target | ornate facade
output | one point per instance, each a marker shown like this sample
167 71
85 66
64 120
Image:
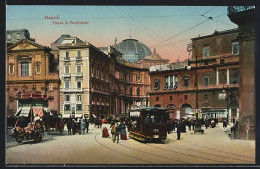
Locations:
27 70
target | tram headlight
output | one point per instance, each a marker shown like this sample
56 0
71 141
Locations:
155 130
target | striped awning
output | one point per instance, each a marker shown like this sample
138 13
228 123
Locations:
38 110
18 112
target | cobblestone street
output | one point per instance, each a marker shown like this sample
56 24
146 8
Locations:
213 147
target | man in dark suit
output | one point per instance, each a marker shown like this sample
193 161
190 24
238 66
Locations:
179 128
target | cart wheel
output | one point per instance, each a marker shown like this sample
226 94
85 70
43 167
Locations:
19 139
37 137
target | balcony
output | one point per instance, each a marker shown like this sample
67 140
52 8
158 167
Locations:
66 59
78 102
238 9
79 74
78 58
239 14
72 90
66 75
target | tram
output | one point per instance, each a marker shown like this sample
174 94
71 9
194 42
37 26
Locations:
148 124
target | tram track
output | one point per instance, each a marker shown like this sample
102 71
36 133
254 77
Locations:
226 152
201 152
149 162
163 157
178 152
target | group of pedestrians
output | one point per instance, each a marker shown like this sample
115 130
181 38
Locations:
78 126
118 130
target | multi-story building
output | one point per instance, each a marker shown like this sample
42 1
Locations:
28 70
217 72
101 82
244 17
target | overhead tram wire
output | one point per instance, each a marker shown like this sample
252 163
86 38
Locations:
182 32
130 23
152 30
208 18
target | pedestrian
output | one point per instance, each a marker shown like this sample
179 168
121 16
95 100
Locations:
105 132
87 124
79 126
122 131
225 125
206 123
168 127
193 124
83 126
213 123
73 126
189 124
179 128
183 123
69 126
113 131
117 132
173 125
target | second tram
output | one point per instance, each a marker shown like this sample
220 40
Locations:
148 124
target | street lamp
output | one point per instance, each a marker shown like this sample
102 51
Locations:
197 125
226 96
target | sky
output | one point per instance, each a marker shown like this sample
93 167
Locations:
168 29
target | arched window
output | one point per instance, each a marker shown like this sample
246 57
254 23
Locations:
138 91
206 80
234 76
131 91
156 84
185 80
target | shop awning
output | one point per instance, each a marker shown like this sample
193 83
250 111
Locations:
18 112
78 115
135 114
25 111
65 116
38 110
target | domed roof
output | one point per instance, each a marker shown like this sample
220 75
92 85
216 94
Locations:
133 50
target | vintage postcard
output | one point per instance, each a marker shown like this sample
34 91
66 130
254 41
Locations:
130 85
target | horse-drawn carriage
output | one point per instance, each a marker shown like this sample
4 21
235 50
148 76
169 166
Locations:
54 123
32 131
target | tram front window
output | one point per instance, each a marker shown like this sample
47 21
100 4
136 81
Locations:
147 119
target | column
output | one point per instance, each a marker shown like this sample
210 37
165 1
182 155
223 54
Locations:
227 76
173 80
178 114
217 78
169 81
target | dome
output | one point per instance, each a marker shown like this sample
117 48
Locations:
133 50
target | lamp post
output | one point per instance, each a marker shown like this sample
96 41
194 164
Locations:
226 96
197 125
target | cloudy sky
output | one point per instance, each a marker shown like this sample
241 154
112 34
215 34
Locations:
167 28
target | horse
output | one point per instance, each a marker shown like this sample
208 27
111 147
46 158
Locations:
60 126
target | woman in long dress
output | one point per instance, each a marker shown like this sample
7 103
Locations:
123 131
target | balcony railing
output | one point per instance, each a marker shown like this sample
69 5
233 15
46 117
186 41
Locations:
238 9
72 90
66 59
78 58
78 74
66 75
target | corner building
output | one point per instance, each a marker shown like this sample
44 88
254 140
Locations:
173 86
100 82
